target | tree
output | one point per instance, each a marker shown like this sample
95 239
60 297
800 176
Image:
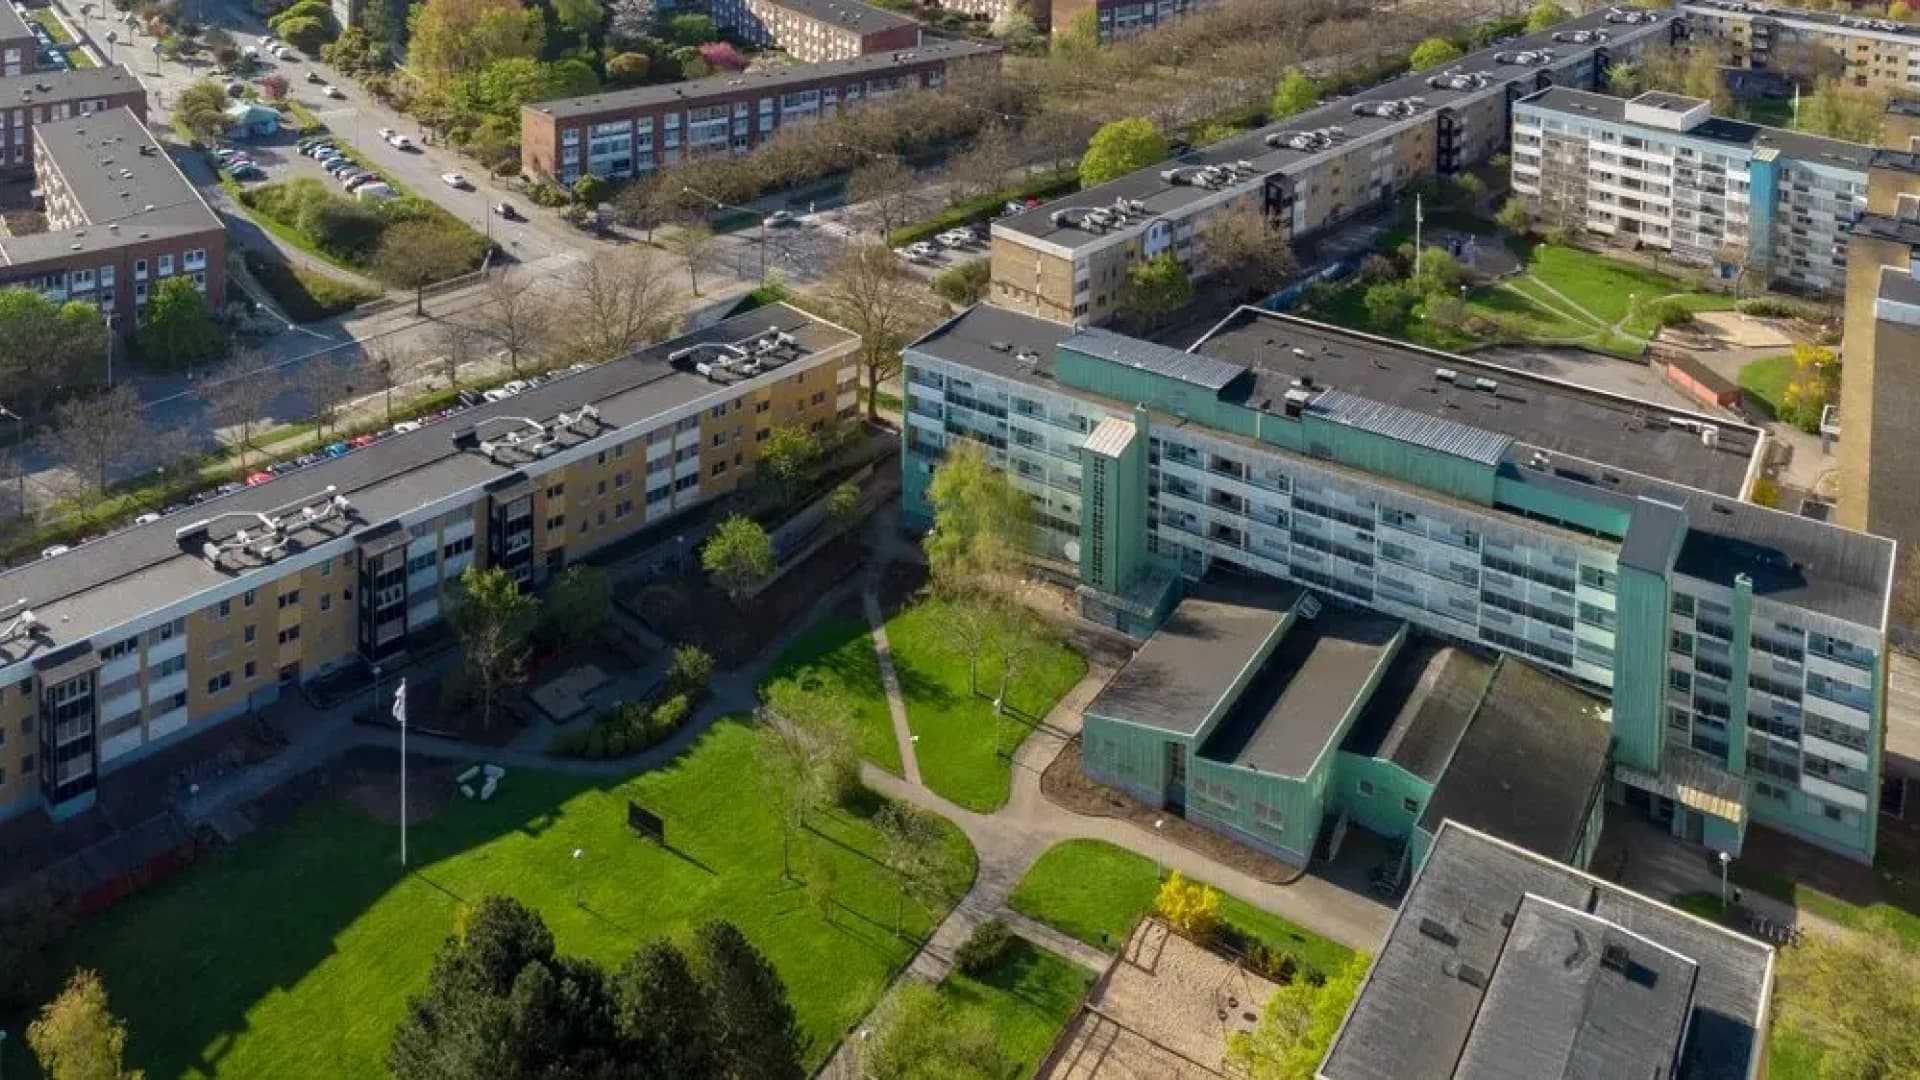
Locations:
911 850
44 345
1389 303
664 1015
983 168
1838 111
238 397
843 504
690 669
304 32
692 244
1514 217
492 619
1694 74
918 1035
627 69
1156 287
179 327
37 919
1079 37
578 602
93 436
1121 147
383 363
629 22
871 294
450 38
619 301
980 527
415 254
691 30
788 459
756 1030
201 107
1295 94
805 754
324 388
888 189
454 346
1245 246
1193 907
275 86
517 316
581 18
77 1037
1546 15
1432 53
1899 10
1624 78
1297 1027
1013 26
738 554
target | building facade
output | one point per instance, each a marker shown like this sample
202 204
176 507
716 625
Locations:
48 96
628 133
160 631
1863 50
19 49
121 219
1068 260
815 31
1122 18
1742 650
1661 171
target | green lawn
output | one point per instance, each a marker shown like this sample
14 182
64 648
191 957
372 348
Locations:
1095 891
961 756
1766 379
837 654
1026 999
292 955
1898 904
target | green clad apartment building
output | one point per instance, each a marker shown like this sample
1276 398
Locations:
1384 585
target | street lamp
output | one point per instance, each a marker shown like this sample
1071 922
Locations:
743 209
1724 860
156 59
1159 848
112 36
109 318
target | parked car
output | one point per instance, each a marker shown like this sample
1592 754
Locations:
498 393
348 176
340 165
248 171
317 147
57 549
455 180
281 468
779 218
359 441
924 250
386 133
337 449
228 488
402 142
147 518
224 153
361 181
256 479
309 143
316 77
507 211
913 256
405 426
375 190
952 239
332 91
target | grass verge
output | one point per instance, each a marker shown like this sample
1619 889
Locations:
836 655
305 295
1024 1000
1766 380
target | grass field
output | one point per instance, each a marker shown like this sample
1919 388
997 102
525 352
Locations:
837 653
1095 891
1766 379
292 955
1025 1000
960 754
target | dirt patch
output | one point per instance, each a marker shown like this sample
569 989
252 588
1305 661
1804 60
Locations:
692 611
1065 784
377 792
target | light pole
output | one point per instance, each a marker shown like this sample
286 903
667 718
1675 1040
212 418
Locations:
156 59
109 318
1159 852
745 210
1724 860
112 36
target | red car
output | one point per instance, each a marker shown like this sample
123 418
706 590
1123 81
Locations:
256 479
359 441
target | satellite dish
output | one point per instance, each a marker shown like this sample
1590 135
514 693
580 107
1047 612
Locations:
1072 550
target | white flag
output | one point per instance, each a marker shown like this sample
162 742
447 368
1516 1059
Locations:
400 704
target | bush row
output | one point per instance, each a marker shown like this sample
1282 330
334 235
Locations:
627 728
1775 307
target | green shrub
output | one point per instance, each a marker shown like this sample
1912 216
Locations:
1774 307
305 295
690 671
984 947
982 207
964 284
667 717
1670 312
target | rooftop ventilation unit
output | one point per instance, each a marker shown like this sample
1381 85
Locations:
265 537
17 621
1395 109
1580 37
1526 57
1309 141
1459 80
1634 17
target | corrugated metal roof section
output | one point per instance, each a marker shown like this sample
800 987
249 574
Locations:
1111 438
1192 368
1433 432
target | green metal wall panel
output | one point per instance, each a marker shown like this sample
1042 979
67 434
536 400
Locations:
1299 803
1384 456
1511 491
1739 658
1385 808
1640 668
1157 392
1128 756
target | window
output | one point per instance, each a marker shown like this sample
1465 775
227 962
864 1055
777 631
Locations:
248 598
326 601
249 635
290 598
1366 788
422 562
252 668
326 569
171 666
556 490
225 609
762 406
1411 806
457 548
219 683
557 523
290 635
719 467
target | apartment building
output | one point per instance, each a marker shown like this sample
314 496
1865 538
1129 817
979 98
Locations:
1599 538
1068 260
120 220
48 96
158 632
1122 18
1870 51
1661 171
1503 963
816 31
19 49
627 133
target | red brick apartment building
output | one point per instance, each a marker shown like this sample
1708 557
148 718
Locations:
630 132
815 31
27 101
18 47
121 219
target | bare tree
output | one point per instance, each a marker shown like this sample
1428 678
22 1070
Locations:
871 294
95 436
889 189
984 166
1244 245
238 397
415 254
692 243
323 388
618 302
455 346
804 754
383 364
517 317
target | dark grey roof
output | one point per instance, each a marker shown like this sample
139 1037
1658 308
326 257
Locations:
1442 974
1293 709
1190 368
782 79
1905 161
990 338
1830 19
862 19
1420 429
72 84
126 574
1815 149
121 180
1791 559
1888 227
1422 706
1547 414
1899 285
1499 65
12 25
1177 679
1530 765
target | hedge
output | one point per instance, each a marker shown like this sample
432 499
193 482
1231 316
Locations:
305 295
984 207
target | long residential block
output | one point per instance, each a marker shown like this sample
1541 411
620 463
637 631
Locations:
121 219
27 101
19 49
158 632
1661 171
628 133
815 31
1601 539
1870 51
1068 260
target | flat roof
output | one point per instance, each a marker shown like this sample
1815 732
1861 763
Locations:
142 569
1888 227
1441 986
996 340
1790 559
1814 149
1175 681
42 86
1530 764
1422 706
121 180
13 24
1899 285
852 15
1828 19
1293 708
1486 72
1545 414
772 78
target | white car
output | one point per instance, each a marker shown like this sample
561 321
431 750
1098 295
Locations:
405 426
913 256
146 519
57 549
399 141
924 250
388 133
954 239
498 393
455 180
332 91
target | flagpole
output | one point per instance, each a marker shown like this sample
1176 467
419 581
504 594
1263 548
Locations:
400 717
